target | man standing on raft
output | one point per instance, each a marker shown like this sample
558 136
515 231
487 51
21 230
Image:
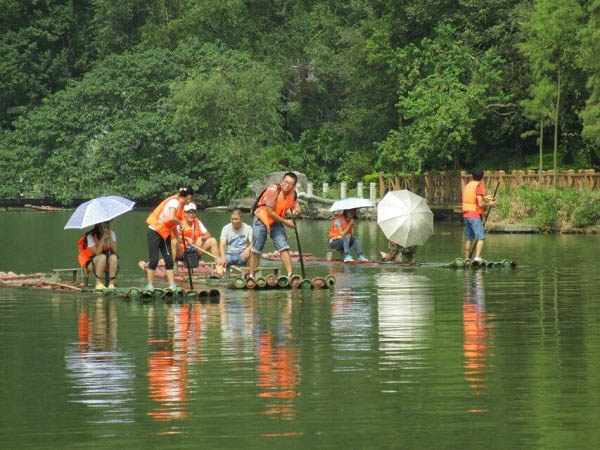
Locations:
161 227
473 201
269 218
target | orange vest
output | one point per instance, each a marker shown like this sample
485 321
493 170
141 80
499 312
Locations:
469 198
334 233
84 252
154 219
192 232
282 204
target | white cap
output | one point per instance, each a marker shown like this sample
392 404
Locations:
189 207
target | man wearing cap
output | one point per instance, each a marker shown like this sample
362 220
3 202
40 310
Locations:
195 234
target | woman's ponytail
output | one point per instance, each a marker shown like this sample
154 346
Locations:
185 191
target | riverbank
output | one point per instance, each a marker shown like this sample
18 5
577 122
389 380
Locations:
524 209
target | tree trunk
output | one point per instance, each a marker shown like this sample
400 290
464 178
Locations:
556 127
541 150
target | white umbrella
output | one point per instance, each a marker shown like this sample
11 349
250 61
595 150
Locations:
99 210
405 218
351 203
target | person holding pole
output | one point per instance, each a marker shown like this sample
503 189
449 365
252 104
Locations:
270 212
473 201
161 228
195 234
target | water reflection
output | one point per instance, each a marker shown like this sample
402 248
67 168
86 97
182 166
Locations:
103 376
405 316
351 326
277 359
474 328
174 342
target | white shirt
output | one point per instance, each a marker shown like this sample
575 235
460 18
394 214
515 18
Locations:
173 203
90 239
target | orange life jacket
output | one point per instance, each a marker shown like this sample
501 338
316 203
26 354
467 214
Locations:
192 232
469 198
154 219
282 204
84 252
334 232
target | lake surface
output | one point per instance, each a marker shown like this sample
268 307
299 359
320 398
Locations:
392 358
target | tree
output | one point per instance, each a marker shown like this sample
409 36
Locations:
551 45
590 61
538 108
41 48
443 89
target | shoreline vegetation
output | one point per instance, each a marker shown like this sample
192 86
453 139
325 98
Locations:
139 97
563 210
524 209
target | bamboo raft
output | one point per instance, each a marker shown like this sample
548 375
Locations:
210 286
458 263
178 295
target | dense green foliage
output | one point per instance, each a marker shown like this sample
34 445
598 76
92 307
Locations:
138 97
555 209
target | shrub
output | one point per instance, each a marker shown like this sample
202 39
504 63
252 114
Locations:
549 208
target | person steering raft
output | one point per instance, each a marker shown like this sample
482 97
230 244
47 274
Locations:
473 201
161 228
269 218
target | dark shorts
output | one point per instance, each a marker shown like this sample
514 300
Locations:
156 245
91 267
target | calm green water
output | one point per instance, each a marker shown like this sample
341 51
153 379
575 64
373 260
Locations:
393 358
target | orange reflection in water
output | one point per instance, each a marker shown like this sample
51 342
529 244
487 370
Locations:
168 360
98 333
277 376
474 344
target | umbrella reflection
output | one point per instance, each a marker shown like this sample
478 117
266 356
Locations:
405 313
103 376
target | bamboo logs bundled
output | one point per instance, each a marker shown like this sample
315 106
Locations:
283 282
460 263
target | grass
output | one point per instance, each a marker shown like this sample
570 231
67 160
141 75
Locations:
556 209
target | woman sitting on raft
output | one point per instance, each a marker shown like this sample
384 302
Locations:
98 253
341 235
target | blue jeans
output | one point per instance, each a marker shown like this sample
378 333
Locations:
260 234
344 245
235 259
474 229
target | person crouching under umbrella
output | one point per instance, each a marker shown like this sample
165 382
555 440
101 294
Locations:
405 255
98 253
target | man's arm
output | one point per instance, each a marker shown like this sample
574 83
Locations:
486 200
277 218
